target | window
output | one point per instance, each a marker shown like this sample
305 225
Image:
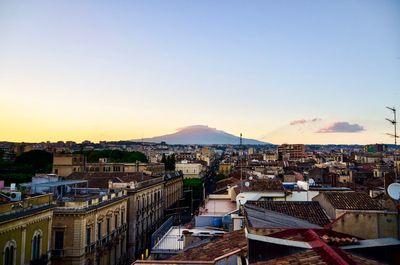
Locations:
99 231
116 221
9 253
88 235
36 244
122 218
59 240
108 226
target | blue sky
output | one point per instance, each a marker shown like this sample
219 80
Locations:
129 69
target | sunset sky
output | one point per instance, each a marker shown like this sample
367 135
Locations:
277 71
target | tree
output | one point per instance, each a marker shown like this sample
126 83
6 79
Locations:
35 161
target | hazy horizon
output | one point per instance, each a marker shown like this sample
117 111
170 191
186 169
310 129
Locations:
276 71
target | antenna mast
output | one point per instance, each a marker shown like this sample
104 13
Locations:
240 161
395 136
394 123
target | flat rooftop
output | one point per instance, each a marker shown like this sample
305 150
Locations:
173 239
218 207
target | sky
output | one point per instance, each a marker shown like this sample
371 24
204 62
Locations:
278 71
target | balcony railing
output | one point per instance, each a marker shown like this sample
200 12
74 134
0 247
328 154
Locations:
57 253
104 241
90 248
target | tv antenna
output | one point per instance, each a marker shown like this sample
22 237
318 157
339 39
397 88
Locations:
395 136
394 123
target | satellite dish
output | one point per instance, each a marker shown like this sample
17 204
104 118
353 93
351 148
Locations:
247 184
250 178
394 191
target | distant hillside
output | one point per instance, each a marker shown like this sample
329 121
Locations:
200 134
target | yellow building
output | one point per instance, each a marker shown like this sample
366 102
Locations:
225 168
358 214
25 227
66 164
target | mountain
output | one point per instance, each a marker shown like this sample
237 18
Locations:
200 134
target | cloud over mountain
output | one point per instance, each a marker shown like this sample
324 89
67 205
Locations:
341 127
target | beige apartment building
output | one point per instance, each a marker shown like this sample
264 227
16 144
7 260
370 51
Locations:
173 188
66 164
145 206
291 151
90 227
145 210
358 214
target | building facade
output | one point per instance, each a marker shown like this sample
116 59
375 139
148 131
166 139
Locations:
25 229
66 164
291 151
173 188
145 210
90 228
189 170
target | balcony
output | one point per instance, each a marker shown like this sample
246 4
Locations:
90 248
108 239
57 253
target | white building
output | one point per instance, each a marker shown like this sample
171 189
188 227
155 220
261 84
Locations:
189 170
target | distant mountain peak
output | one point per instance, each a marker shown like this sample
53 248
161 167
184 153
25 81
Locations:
200 134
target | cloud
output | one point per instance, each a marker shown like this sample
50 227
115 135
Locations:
303 121
295 122
341 127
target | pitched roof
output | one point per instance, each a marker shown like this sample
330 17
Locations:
223 184
309 211
324 248
260 218
261 185
312 257
352 201
228 243
100 179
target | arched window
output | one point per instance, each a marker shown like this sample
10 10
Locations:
9 253
36 244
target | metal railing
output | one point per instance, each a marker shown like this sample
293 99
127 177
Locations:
169 243
161 231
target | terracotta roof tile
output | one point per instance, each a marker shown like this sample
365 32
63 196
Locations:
309 211
228 243
100 180
312 257
261 185
352 201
